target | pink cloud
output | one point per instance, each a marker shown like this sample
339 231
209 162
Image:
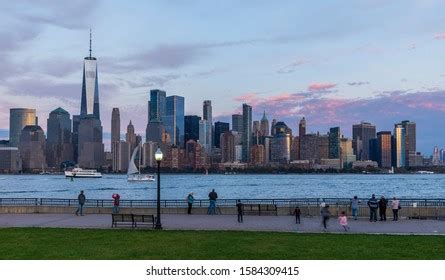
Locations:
321 86
440 36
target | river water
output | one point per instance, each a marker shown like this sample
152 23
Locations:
177 186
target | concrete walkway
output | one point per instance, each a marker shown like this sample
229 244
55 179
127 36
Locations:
229 222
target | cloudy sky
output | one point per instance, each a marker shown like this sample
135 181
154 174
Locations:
334 62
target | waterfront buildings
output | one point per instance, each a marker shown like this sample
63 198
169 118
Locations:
18 119
203 135
247 132
59 147
130 137
361 134
228 144
347 153
115 139
32 148
410 141
121 156
10 160
158 105
280 144
334 142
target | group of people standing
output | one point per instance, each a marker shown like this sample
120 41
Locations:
382 205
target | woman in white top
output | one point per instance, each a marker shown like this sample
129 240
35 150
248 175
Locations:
395 205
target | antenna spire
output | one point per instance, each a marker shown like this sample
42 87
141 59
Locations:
90 42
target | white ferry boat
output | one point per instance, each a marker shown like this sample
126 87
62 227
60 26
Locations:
83 173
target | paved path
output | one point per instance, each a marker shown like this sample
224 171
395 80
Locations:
228 222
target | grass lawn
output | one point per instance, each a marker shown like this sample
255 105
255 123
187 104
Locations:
50 243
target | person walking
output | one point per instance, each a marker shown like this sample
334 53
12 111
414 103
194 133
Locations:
354 207
343 221
212 202
190 200
81 200
373 206
395 205
382 208
325 215
116 201
297 213
239 208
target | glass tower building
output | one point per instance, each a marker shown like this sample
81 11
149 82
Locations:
90 87
399 150
174 119
157 105
18 119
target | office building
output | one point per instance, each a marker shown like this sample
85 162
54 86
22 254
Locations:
121 156
59 147
410 140
32 148
227 147
346 153
220 128
18 119
174 119
264 125
191 128
280 144
257 155
158 105
10 161
361 134
115 125
207 115
302 127
384 149
91 147
130 137
247 132
90 87
334 142
155 132
399 143
203 135
272 128
75 137
237 123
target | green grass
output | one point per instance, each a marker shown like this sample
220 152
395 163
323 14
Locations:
47 243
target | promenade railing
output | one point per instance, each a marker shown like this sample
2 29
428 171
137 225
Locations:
180 203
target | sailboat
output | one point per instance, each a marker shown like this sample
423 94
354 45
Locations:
134 172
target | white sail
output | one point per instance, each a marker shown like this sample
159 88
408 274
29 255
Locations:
132 168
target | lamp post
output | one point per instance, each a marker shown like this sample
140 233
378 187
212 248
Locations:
158 157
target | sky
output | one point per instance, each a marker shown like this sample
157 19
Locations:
334 62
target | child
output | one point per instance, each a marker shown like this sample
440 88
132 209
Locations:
297 213
343 221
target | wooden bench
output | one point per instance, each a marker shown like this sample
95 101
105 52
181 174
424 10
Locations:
260 209
144 220
123 219
132 219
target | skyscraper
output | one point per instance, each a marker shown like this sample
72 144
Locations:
264 125
130 137
207 115
90 87
334 142
158 105
302 127
247 132
191 128
361 134
203 135
272 128
280 144
174 119
237 123
227 147
91 147
410 140
75 136
32 147
59 146
384 149
115 125
220 128
399 150
18 119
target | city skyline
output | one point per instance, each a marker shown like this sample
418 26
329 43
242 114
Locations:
364 74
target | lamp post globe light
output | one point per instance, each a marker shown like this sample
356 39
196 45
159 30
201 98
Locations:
158 157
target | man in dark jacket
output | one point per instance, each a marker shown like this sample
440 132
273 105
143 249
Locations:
297 213
325 215
373 206
212 202
239 208
382 208
81 200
